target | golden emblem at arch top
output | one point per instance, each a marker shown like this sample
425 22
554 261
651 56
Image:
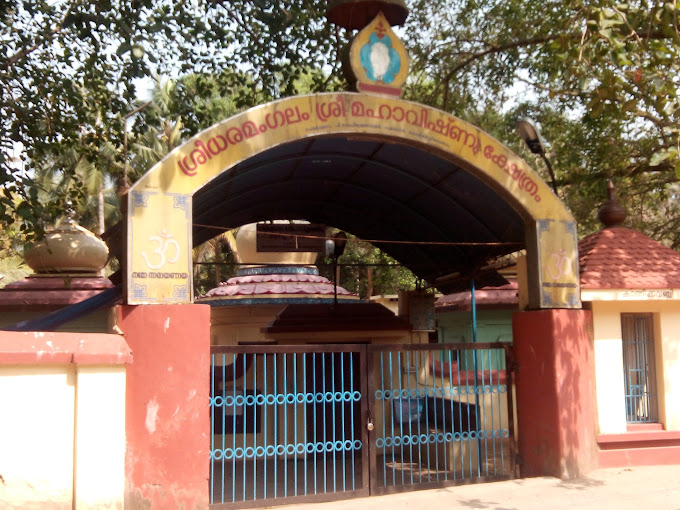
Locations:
379 59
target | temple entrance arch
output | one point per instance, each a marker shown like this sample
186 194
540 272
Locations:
462 176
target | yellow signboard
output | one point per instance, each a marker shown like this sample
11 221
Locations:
159 219
159 248
559 276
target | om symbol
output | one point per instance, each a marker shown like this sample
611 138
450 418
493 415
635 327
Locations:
559 265
163 242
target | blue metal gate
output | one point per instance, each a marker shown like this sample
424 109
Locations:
321 422
286 424
441 414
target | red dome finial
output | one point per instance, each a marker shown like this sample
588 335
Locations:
611 214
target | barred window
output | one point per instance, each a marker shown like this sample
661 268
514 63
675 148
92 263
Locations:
639 368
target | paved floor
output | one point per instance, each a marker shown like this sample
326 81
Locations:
639 488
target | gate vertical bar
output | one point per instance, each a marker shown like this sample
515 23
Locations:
325 425
304 414
265 425
342 418
295 421
410 422
275 438
334 405
285 425
254 447
367 364
510 369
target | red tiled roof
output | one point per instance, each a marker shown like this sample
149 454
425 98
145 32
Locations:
488 297
266 284
621 258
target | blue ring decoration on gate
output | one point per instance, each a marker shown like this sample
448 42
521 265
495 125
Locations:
239 453
388 442
250 400
423 438
455 390
280 398
347 396
439 392
407 441
357 396
503 388
309 398
465 436
300 448
413 393
440 437
481 434
404 393
506 433
337 396
310 447
487 390
432 438
329 446
260 399
271 450
229 401
260 451
239 400
290 398
218 402
328 396
379 442
494 390
280 449
448 437
387 394
300 398
318 397
228 454
397 441
473 434
319 447
379 395
347 445
250 452
271 399
217 454
457 436
496 433
338 445
357 444
290 449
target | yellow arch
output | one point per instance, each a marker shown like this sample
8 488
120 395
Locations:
160 203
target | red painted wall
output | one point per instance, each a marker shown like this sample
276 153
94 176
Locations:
555 392
167 415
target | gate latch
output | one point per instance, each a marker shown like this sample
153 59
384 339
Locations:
369 424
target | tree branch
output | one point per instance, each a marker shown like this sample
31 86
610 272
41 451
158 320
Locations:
23 52
492 50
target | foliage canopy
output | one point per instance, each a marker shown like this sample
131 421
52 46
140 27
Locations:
601 77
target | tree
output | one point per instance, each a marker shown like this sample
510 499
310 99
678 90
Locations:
367 271
69 72
601 77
